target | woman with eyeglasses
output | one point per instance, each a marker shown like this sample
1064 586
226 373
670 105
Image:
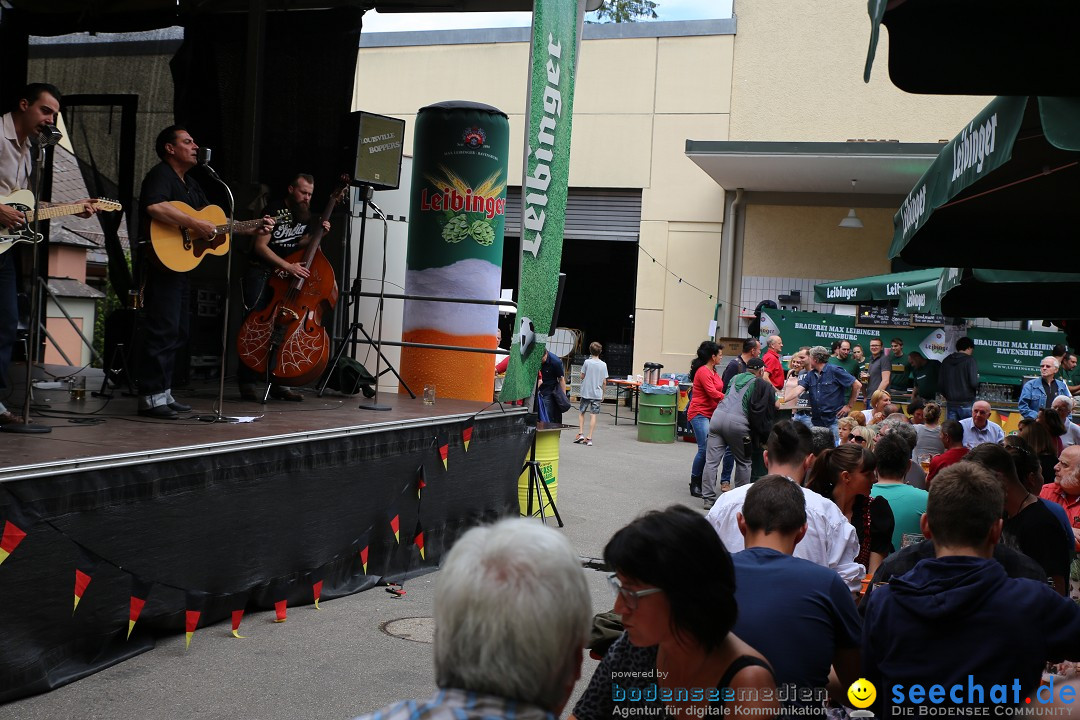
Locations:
846 475
674 586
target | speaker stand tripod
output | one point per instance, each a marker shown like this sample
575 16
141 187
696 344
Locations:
536 484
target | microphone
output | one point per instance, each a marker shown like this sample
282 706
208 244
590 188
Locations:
49 135
204 160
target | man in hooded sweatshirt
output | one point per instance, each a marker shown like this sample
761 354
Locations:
958 380
956 630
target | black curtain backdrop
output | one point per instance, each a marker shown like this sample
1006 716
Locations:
309 60
233 530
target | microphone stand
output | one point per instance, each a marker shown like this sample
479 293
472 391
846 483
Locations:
33 335
219 416
382 292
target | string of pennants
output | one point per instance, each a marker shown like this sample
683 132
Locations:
18 523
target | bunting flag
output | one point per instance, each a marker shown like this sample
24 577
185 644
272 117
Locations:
140 591
466 434
316 590
418 540
82 580
15 527
191 621
364 557
237 616
421 481
194 602
281 611
444 448
395 525
85 567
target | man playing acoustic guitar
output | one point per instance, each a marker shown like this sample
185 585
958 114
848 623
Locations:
268 255
165 300
37 108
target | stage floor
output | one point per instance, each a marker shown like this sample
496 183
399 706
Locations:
98 432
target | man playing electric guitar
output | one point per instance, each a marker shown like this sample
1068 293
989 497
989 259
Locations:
37 107
268 255
165 299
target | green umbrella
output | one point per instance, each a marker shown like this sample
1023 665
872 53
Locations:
873 289
996 294
1012 174
979 47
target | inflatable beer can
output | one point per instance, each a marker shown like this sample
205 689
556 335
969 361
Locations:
456 221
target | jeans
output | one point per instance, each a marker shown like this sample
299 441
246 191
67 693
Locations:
834 427
700 423
957 411
9 315
164 328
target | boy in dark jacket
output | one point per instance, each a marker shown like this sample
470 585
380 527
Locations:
958 380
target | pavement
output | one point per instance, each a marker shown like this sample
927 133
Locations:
338 662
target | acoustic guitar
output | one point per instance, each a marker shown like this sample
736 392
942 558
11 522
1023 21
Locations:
23 201
179 250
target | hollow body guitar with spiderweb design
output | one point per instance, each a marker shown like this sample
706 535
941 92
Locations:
23 201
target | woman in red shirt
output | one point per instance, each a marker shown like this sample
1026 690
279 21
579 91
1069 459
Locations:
707 393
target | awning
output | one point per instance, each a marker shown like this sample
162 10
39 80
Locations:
979 47
995 294
1012 174
872 289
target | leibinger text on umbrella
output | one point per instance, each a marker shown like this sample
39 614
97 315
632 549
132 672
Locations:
840 292
913 208
973 146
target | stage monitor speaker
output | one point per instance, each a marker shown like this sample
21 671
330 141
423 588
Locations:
376 143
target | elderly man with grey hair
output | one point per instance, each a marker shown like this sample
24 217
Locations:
832 391
1039 392
1063 405
512 616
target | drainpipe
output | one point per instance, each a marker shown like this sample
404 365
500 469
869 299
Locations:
727 290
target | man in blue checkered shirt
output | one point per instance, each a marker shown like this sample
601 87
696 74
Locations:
512 616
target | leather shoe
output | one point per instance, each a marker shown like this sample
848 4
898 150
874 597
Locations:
247 393
179 406
283 393
161 412
10 418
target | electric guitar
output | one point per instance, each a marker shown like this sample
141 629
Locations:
179 250
23 201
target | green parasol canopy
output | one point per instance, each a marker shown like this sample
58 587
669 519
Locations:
873 289
1012 175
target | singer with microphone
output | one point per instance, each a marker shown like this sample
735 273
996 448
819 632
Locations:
165 320
32 122
268 255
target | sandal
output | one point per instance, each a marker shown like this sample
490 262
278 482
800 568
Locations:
580 438
588 442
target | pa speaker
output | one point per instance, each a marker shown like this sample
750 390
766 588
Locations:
375 143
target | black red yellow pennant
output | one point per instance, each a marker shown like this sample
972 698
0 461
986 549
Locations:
395 525
281 611
316 591
13 529
364 551
466 434
443 441
418 540
85 567
421 481
140 591
194 602
237 617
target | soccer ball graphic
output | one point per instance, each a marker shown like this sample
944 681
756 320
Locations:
526 336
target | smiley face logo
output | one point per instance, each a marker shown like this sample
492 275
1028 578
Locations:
862 693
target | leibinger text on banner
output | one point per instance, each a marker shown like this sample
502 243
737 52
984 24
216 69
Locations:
546 170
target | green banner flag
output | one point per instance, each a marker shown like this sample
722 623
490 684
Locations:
546 170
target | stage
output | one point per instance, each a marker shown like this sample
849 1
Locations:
177 524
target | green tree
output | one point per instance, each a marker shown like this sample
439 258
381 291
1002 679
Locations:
625 11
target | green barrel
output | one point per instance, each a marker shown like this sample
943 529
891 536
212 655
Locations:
656 417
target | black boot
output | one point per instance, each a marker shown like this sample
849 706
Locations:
695 486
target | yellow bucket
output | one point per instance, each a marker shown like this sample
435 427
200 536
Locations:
547 456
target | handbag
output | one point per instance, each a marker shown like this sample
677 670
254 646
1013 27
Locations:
561 401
